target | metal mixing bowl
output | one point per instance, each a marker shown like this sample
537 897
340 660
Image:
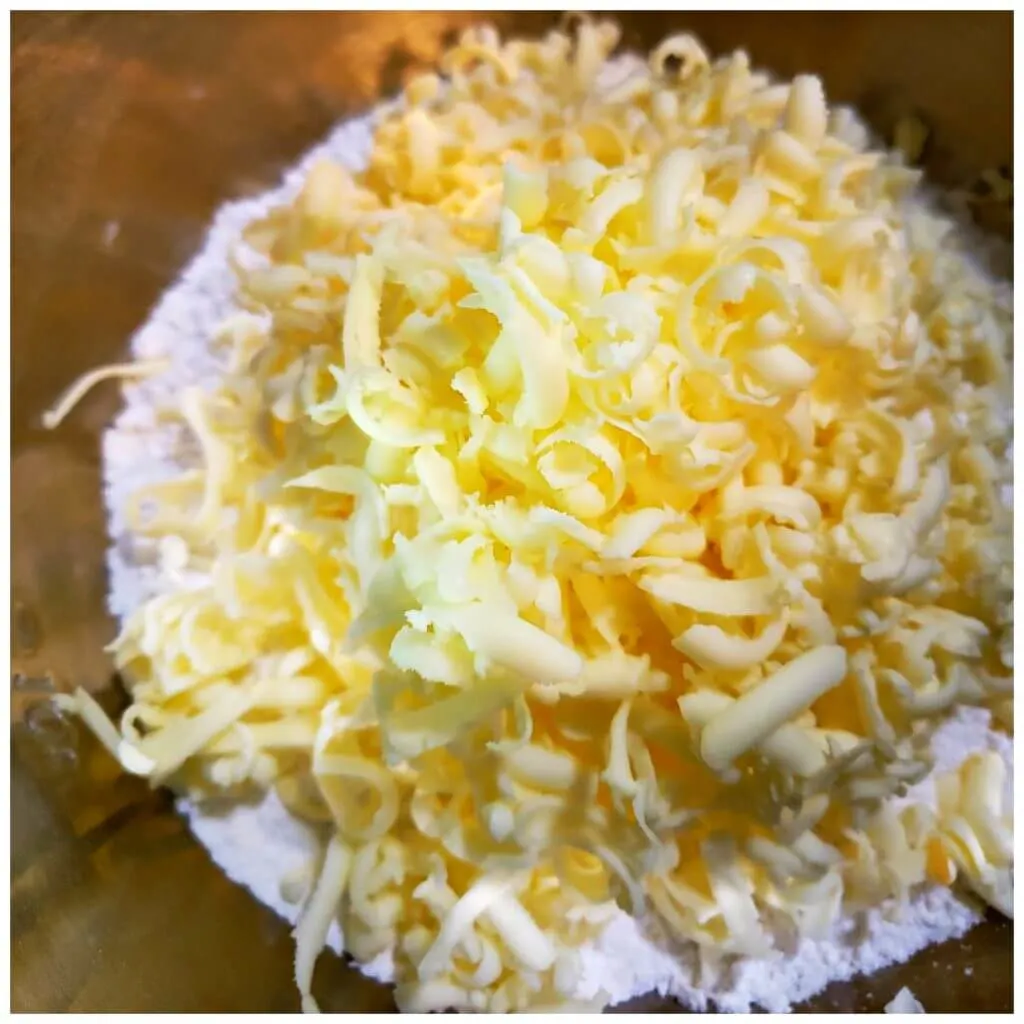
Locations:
128 131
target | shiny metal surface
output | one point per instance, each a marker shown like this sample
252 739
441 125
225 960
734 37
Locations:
127 132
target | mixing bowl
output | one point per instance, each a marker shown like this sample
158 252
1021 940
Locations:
128 131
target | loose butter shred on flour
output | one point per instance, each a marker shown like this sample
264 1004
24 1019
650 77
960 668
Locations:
601 503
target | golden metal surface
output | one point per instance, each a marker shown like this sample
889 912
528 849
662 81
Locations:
127 132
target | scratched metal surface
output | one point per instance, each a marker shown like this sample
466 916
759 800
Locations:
127 132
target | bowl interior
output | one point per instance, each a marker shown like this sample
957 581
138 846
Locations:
127 132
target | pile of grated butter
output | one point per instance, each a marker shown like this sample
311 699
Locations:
601 505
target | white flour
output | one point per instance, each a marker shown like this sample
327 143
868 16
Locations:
257 846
